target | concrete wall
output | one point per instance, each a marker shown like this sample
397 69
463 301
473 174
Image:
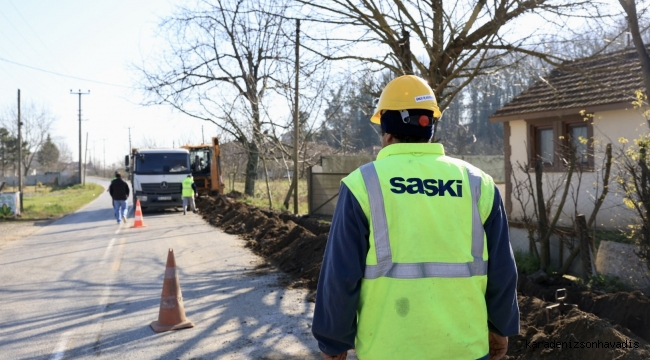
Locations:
519 242
608 127
615 259
64 178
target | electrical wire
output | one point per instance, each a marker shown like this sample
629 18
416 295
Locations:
64 75
37 37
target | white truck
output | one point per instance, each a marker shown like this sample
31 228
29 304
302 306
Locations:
157 176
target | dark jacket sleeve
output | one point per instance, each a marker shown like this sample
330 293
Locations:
128 190
110 189
501 293
339 284
194 188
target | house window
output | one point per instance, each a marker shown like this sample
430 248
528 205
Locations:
544 144
578 137
550 138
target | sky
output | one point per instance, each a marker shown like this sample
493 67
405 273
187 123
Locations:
98 41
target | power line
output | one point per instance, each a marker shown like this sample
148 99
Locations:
37 37
64 75
19 34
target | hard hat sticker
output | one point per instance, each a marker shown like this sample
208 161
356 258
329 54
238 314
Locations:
424 98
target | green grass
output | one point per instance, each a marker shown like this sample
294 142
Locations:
279 190
612 235
608 284
52 202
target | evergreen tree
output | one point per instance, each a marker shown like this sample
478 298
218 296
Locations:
9 150
4 150
48 155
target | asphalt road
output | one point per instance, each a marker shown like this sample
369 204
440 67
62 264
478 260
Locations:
83 287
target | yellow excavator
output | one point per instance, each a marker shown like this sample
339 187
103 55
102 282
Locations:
205 164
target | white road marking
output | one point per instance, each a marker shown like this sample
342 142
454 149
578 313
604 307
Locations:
59 351
61 346
108 250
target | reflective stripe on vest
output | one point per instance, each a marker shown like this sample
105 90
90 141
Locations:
387 268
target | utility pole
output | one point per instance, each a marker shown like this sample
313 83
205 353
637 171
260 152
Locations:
296 127
85 159
95 158
104 140
202 136
80 154
20 156
129 152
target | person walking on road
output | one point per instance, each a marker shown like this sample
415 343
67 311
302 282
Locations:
119 191
418 263
189 193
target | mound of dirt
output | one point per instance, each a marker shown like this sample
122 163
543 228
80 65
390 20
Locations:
627 309
294 243
570 334
602 326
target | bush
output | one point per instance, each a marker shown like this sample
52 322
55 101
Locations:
39 184
526 262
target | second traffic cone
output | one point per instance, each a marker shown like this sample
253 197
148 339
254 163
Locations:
139 221
172 313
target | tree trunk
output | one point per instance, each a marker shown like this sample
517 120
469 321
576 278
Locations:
251 169
585 247
266 178
572 256
644 58
545 255
405 56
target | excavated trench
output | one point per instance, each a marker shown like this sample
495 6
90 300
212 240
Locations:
601 326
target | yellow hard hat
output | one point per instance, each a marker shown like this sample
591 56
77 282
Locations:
406 92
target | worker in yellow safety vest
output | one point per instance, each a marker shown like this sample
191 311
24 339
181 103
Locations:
188 193
418 263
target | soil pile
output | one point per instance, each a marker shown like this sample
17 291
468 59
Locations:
571 334
630 310
294 243
602 326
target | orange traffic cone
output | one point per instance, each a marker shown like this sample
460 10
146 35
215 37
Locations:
139 221
172 313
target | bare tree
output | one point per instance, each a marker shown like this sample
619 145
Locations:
460 40
633 21
37 124
222 65
65 156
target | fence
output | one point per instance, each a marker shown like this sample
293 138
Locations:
65 178
324 181
323 191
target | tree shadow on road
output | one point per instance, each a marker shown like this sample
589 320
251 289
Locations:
236 316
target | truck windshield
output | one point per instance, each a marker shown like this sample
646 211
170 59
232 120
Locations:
161 163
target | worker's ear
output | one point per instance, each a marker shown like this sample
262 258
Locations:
387 139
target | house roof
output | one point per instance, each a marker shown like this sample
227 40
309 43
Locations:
596 82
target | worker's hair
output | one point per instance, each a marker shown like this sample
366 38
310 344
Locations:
408 138
118 175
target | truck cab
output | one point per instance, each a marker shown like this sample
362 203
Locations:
157 176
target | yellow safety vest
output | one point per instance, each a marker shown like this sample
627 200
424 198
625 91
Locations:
423 291
187 187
